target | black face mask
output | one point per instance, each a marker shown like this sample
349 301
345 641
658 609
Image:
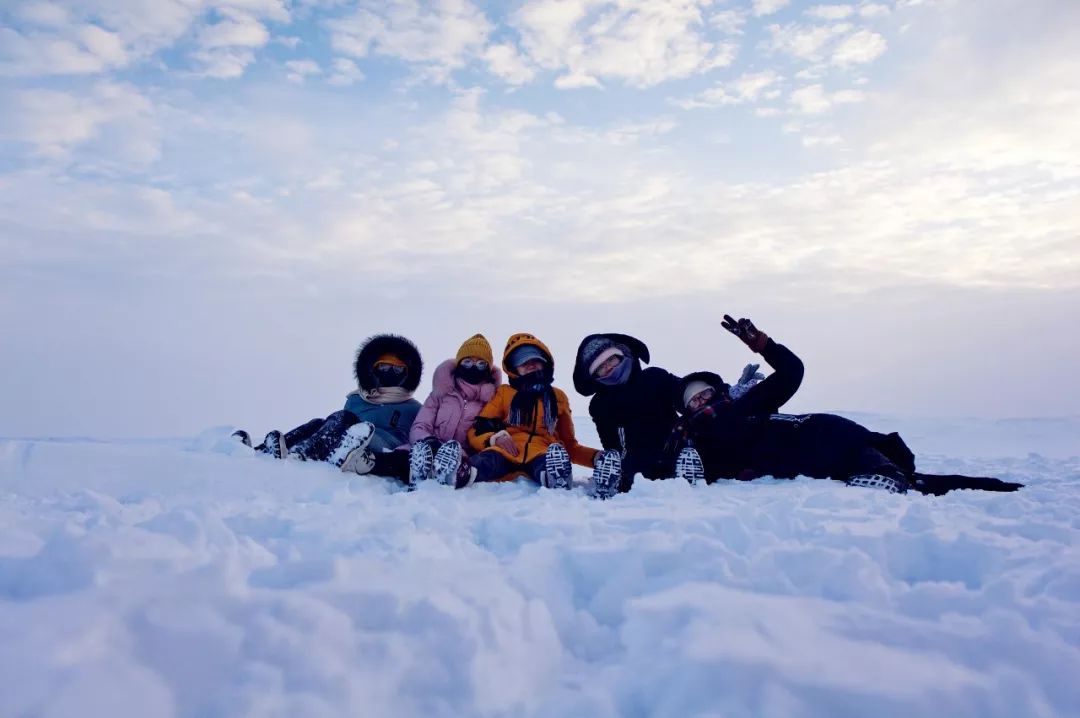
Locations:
473 375
388 376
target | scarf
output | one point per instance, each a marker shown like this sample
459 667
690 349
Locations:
385 395
532 389
620 374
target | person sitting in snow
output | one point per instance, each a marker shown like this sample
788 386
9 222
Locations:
526 428
377 415
460 388
631 405
721 437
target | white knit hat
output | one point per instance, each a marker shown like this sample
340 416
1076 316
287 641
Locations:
693 389
603 357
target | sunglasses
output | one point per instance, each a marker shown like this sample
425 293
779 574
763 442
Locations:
478 363
390 369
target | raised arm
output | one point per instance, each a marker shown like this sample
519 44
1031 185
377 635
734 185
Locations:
776 389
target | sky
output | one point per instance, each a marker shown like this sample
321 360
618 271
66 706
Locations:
205 205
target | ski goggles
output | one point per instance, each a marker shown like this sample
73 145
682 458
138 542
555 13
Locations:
390 369
477 363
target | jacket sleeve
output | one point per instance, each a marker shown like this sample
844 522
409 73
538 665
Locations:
424 424
773 392
490 420
606 426
579 453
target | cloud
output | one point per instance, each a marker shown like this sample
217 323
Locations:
748 88
505 62
345 72
762 8
96 36
299 70
640 44
859 48
440 36
55 123
79 50
805 42
830 12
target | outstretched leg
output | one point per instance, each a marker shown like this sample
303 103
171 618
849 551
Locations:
940 484
322 443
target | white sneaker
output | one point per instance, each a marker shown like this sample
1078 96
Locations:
606 475
689 466
421 464
558 472
357 436
878 481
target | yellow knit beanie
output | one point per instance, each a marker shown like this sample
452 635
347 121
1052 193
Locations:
475 346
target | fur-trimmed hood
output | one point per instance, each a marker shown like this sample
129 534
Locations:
374 347
711 378
583 381
442 383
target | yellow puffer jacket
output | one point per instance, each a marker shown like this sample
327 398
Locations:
531 441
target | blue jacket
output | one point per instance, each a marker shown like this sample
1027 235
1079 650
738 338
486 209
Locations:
391 421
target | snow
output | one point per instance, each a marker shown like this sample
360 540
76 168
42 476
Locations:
193 578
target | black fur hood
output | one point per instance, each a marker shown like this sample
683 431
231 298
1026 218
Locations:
711 378
583 381
374 347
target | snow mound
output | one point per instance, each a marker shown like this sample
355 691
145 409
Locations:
197 579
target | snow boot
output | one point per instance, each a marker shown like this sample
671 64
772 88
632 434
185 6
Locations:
273 444
606 475
451 468
360 460
689 467
421 464
558 472
243 437
879 481
357 436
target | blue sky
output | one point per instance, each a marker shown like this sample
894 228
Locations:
200 199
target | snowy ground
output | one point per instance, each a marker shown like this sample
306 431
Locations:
194 579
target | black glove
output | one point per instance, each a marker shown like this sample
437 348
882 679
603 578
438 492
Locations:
745 330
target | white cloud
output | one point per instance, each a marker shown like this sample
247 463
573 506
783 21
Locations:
441 36
768 7
235 29
79 50
55 123
805 42
859 48
830 12
299 70
505 62
94 36
47 14
815 100
345 72
748 88
641 44
874 11
729 22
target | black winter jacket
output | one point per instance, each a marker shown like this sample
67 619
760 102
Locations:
726 432
636 417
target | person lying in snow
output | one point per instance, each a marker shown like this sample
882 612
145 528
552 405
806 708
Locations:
724 438
526 428
631 405
460 388
377 415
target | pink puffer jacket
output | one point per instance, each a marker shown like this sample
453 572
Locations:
452 406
